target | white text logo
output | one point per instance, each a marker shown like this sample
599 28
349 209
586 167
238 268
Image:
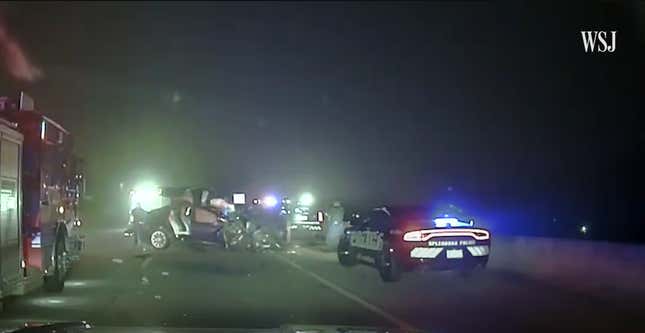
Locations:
597 41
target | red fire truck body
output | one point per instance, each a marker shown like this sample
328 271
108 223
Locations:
50 183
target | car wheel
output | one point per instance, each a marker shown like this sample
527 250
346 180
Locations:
389 266
346 255
159 239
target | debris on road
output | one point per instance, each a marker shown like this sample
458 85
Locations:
158 297
165 273
145 281
117 260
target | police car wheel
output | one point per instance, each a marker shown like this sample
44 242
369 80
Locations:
389 267
346 256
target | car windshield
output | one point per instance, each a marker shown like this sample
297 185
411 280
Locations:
322 166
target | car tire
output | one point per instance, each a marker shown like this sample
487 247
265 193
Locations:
346 256
389 266
159 238
56 281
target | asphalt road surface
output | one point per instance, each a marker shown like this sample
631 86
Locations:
207 287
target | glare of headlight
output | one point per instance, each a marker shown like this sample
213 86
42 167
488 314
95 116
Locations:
61 210
147 194
306 199
269 201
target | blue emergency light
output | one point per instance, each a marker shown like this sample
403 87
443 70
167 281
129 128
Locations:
451 222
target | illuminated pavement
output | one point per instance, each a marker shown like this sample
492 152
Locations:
186 287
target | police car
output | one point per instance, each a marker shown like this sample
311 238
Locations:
400 239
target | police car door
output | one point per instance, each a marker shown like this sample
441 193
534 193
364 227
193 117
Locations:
370 236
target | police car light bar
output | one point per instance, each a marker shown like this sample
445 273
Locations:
448 222
425 235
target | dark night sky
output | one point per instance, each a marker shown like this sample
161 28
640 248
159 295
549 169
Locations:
366 102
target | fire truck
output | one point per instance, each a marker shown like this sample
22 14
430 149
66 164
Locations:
41 184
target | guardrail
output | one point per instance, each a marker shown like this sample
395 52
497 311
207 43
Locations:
575 264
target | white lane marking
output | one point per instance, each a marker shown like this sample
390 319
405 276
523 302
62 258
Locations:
369 306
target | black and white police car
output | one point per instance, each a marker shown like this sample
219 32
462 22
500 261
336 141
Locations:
399 239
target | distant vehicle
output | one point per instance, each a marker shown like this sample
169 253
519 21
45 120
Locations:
396 240
304 222
40 190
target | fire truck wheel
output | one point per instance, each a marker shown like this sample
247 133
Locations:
56 281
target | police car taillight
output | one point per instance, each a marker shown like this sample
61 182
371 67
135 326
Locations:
414 236
425 235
